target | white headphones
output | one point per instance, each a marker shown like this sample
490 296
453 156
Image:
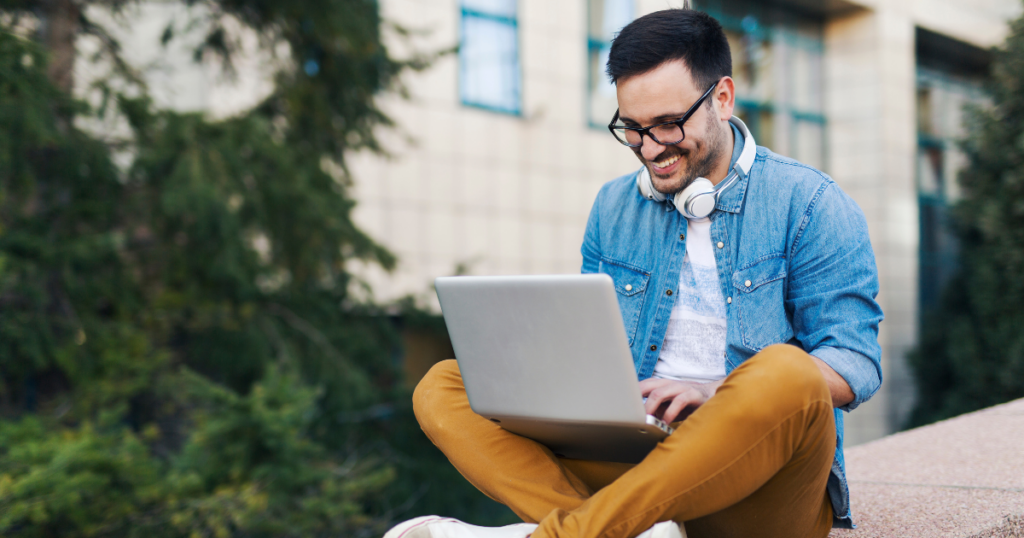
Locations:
698 200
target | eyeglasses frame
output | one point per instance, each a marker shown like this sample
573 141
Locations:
647 130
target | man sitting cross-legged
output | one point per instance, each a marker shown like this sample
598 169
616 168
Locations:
756 327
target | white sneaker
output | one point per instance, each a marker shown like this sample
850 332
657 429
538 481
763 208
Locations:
446 527
665 529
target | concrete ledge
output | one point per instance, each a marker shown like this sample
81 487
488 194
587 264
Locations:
962 478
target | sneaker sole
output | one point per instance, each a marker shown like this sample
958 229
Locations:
668 529
415 528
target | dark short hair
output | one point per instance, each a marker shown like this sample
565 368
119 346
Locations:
689 35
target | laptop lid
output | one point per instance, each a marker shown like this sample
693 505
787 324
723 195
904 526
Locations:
542 347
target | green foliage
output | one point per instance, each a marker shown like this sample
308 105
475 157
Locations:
249 467
179 352
972 350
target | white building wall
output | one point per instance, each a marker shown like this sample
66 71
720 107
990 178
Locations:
870 89
493 192
516 200
872 134
464 189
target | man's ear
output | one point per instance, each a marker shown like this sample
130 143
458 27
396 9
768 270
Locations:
725 98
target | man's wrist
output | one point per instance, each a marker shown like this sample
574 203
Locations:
710 389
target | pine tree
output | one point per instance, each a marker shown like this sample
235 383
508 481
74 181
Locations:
971 353
179 351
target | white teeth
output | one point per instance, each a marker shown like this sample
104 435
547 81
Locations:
667 162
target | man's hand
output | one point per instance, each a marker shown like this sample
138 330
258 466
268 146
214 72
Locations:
837 386
670 400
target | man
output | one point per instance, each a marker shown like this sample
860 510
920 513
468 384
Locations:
754 326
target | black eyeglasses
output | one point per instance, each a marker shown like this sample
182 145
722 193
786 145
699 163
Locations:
666 134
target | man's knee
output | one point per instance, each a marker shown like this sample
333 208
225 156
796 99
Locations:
429 399
791 370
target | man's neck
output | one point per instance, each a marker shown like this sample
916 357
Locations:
725 158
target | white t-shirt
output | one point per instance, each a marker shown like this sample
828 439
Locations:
694 346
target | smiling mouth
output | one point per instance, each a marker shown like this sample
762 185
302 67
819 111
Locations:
667 162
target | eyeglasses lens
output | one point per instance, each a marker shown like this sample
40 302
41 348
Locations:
666 134
633 138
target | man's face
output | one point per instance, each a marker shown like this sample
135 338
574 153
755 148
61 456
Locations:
666 93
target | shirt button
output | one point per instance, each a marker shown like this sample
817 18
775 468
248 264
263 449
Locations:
669 292
629 287
721 244
682 237
653 347
729 300
747 283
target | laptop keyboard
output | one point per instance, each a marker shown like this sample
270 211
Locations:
661 424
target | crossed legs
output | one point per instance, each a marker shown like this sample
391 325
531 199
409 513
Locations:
752 461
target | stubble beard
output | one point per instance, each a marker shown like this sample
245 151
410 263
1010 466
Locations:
704 163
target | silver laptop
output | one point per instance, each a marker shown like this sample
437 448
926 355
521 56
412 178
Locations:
546 357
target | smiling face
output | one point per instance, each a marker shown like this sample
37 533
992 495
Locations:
663 94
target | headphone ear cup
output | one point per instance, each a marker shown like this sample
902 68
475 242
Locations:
697 194
646 187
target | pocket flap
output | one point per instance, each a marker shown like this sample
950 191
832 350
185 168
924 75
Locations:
628 280
759 274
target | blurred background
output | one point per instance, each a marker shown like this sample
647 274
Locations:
220 222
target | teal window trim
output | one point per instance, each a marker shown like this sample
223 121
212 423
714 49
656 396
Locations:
931 78
517 112
794 113
769 33
809 117
595 44
592 46
929 141
512 21
504 19
755 105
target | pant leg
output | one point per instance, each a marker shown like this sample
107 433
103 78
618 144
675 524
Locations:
513 470
752 461
717 478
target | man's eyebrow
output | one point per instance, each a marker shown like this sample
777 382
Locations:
658 119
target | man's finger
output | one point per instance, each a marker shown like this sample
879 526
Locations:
652 383
656 398
652 402
679 403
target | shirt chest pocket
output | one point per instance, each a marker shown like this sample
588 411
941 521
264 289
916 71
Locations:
759 302
630 287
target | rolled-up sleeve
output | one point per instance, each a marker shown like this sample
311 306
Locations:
833 282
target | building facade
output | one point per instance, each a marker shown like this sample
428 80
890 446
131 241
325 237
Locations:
502 147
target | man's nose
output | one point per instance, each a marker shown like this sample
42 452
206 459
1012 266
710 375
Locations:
650 149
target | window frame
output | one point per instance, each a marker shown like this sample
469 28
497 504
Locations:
511 21
595 44
937 265
774 32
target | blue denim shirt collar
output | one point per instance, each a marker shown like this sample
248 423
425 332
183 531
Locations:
732 200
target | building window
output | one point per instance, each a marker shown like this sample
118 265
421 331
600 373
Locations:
777 66
489 73
950 76
604 20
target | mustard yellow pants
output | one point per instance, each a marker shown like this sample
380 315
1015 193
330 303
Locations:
752 461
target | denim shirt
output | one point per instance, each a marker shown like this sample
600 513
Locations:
793 255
